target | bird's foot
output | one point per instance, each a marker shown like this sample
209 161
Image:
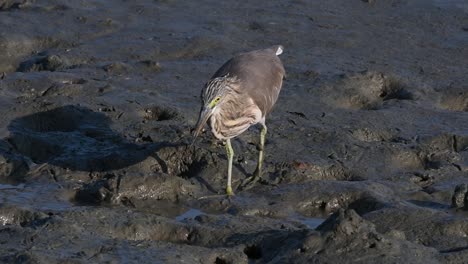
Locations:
218 196
229 194
250 182
229 191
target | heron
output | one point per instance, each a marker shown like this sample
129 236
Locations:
240 94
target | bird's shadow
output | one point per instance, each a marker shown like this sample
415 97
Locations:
76 138
79 139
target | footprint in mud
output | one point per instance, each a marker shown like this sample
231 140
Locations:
75 138
158 113
367 91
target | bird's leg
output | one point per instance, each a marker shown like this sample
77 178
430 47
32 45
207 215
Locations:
250 181
230 155
258 172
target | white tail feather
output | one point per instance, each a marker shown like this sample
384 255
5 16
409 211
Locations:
279 50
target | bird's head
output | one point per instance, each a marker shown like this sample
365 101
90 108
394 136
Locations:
212 97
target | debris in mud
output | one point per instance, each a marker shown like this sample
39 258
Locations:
345 222
6 5
298 114
154 66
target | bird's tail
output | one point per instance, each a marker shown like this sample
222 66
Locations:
279 50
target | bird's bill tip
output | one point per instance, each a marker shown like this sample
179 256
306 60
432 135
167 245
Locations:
195 135
204 115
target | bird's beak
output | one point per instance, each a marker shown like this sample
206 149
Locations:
205 113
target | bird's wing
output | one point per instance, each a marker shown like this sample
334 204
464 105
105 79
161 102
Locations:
260 74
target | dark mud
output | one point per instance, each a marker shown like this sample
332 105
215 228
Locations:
366 156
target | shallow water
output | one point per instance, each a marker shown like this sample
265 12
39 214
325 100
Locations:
190 214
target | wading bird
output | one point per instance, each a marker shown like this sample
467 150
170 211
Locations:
240 94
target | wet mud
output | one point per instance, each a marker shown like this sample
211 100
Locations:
366 153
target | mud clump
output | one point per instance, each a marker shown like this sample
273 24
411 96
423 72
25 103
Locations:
460 197
116 68
13 168
455 101
10 215
44 63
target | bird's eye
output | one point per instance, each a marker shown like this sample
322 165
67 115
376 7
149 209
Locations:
214 102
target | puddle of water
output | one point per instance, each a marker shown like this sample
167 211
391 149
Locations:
37 196
11 187
191 213
310 222
430 204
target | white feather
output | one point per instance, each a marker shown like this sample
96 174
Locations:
279 50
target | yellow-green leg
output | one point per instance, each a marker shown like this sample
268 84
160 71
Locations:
258 171
250 181
230 155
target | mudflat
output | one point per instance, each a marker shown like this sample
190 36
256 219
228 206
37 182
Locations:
366 157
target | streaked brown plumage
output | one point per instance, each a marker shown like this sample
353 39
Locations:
240 94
